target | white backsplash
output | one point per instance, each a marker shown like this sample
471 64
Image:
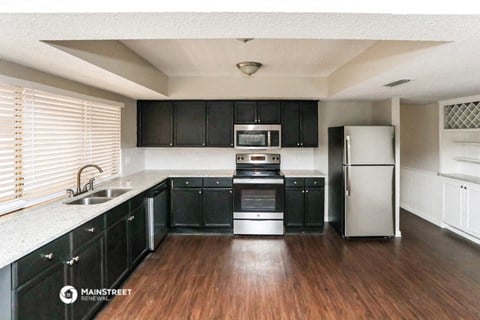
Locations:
218 158
133 160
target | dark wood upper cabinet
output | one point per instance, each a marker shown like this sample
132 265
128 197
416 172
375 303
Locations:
252 112
299 124
291 124
189 124
198 123
268 112
219 124
154 123
309 124
245 111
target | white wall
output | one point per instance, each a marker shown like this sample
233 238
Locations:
338 113
421 187
218 158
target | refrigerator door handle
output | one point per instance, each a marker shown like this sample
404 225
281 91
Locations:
347 181
348 150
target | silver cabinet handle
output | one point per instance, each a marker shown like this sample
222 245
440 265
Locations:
298 143
303 191
230 191
301 143
49 256
294 182
171 144
203 144
76 259
200 191
91 229
70 262
131 218
314 182
306 191
186 182
217 182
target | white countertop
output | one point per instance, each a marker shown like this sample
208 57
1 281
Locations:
461 177
26 230
303 174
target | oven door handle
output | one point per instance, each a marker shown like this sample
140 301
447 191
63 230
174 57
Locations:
257 181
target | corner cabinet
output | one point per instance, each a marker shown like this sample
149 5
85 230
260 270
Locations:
461 207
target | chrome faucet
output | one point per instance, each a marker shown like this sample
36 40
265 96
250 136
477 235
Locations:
90 182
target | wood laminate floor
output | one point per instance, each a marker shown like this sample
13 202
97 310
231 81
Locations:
427 274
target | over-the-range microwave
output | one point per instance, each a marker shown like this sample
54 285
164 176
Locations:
258 136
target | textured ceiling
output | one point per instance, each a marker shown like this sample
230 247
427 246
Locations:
446 70
218 57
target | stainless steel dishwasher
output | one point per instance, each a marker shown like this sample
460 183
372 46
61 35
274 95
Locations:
157 214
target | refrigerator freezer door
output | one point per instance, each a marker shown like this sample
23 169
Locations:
369 201
369 145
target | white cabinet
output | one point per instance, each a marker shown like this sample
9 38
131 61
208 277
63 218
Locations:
453 195
461 206
473 209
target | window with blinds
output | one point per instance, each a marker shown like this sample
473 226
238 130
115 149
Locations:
45 138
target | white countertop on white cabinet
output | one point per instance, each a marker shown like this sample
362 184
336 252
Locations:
26 230
303 174
461 177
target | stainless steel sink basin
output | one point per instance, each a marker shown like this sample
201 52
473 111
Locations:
89 200
110 192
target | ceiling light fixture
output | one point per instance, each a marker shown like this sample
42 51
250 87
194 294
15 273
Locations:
249 67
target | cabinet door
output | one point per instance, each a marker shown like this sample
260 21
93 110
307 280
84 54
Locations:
186 207
116 255
453 204
473 210
154 123
87 272
137 234
39 298
294 207
217 207
219 124
268 111
290 124
314 207
309 124
245 111
189 123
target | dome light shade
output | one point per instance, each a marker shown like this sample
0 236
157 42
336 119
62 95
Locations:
249 67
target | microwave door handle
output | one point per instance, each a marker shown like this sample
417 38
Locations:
269 139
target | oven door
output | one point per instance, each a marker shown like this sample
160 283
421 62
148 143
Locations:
257 195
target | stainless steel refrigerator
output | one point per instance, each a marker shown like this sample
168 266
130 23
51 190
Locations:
361 173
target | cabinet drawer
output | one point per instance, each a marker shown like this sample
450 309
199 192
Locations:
314 182
87 231
217 182
41 259
187 182
116 214
294 182
137 201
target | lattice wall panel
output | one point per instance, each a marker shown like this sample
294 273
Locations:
462 116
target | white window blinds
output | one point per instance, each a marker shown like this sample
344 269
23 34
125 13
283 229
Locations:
55 135
10 122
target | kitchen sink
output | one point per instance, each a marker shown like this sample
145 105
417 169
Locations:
100 196
110 192
89 200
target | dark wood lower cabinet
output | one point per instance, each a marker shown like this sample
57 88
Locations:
314 207
39 298
116 253
86 272
186 208
294 207
137 234
217 207
304 206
